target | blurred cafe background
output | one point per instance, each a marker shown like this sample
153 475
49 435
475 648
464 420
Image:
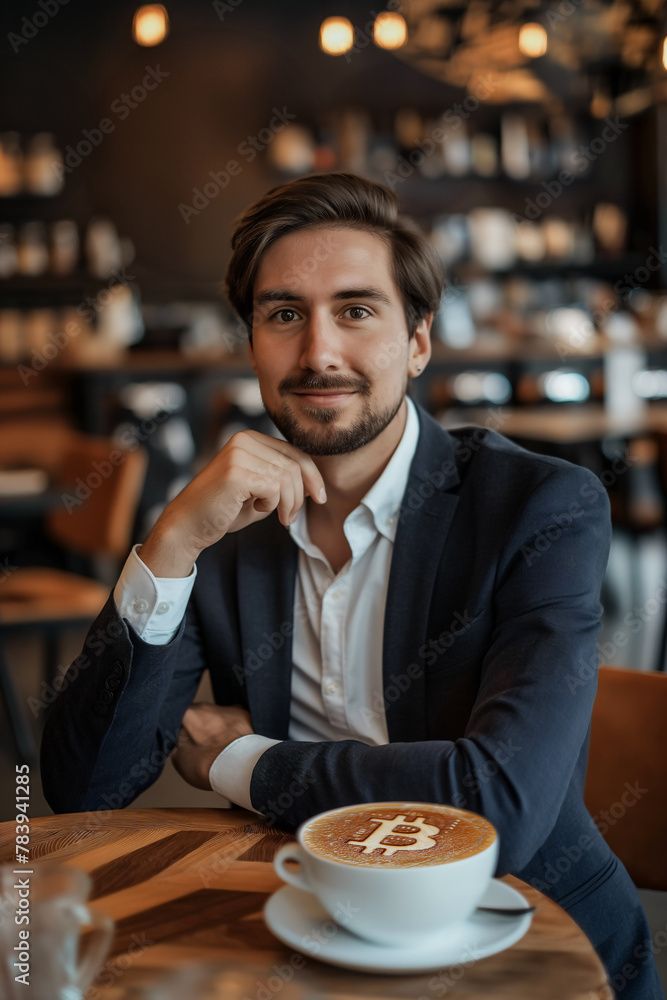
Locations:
529 140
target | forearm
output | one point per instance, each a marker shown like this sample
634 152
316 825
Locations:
115 720
293 781
169 550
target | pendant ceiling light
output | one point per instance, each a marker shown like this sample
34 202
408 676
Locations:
150 25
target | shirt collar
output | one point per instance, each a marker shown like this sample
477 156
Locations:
383 500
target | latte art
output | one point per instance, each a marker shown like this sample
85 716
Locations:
397 835
382 836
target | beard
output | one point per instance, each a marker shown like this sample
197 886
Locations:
330 439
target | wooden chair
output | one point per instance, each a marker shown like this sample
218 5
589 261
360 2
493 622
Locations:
626 782
100 486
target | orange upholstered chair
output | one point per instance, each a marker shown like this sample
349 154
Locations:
626 782
100 486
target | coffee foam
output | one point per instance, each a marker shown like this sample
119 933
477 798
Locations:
398 835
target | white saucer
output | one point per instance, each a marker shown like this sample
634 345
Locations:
298 920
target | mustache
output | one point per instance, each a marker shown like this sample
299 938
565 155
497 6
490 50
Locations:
318 383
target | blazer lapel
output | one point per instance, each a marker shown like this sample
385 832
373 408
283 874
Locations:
266 578
424 521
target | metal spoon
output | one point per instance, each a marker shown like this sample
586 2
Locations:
503 911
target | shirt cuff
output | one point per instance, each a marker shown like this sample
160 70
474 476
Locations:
154 606
230 773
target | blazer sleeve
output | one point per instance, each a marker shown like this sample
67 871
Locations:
118 713
531 716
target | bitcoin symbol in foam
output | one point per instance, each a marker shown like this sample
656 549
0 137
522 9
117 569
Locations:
421 838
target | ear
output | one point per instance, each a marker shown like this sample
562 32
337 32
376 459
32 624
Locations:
420 346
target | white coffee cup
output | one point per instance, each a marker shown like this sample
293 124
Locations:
56 952
401 905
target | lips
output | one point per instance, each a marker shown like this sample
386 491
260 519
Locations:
325 396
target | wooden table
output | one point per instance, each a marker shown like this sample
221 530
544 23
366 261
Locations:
186 885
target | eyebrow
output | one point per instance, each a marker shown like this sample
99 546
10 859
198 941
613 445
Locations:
285 295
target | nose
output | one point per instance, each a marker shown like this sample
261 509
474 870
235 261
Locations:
320 348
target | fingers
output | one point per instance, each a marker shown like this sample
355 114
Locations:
205 724
286 455
278 488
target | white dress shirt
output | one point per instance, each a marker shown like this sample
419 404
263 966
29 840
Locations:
338 626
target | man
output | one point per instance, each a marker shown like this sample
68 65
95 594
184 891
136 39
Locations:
387 610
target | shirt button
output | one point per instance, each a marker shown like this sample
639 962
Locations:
337 595
141 606
331 688
162 608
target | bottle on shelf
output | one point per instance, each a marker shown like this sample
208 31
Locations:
33 254
8 255
11 159
103 249
43 172
64 247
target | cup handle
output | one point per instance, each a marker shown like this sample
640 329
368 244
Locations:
97 946
292 852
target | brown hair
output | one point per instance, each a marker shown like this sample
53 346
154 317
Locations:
341 201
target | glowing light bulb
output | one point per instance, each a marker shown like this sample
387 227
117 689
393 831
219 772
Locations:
532 40
150 25
336 36
390 30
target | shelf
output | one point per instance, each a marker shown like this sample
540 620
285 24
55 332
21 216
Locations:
48 289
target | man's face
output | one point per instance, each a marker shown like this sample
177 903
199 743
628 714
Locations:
330 341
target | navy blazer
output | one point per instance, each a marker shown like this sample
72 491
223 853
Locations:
489 658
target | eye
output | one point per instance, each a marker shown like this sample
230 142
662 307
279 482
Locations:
284 315
360 312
